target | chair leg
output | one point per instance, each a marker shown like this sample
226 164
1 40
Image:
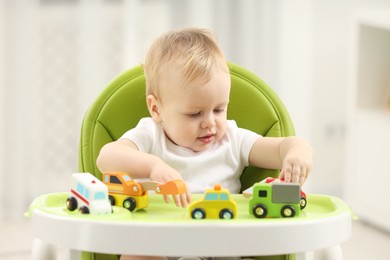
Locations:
75 255
304 256
42 250
330 253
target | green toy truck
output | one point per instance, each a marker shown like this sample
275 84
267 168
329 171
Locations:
275 199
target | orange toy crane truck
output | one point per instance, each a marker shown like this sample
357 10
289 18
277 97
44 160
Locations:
124 191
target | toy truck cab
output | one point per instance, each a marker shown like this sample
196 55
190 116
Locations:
88 194
216 203
275 199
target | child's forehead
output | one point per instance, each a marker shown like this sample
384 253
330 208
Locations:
175 80
216 88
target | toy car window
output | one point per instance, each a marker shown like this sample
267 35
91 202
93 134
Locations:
224 196
126 178
80 188
99 196
114 179
86 195
262 193
211 196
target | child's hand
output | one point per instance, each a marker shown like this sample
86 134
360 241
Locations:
163 173
292 155
296 166
181 200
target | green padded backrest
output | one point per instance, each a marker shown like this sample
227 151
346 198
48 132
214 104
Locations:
122 104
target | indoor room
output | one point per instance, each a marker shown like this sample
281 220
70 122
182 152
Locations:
327 61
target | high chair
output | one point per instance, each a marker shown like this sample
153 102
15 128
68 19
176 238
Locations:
253 105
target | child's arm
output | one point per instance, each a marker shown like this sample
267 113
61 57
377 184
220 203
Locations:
123 155
292 155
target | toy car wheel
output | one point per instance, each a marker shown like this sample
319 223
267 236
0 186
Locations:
288 212
260 211
302 202
198 213
111 199
226 214
129 204
71 203
84 210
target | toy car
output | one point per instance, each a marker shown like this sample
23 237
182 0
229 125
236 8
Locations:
275 199
216 204
124 191
88 194
132 195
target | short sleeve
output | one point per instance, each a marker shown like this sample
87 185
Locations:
242 140
143 135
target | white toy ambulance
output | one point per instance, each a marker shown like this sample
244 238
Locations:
88 194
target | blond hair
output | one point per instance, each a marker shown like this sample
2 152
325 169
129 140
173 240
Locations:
189 54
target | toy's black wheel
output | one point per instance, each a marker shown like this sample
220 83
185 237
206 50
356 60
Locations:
260 211
198 213
288 211
84 210
129 204
71 203
226 214
111 199
302 202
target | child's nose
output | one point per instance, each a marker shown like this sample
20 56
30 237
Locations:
208 121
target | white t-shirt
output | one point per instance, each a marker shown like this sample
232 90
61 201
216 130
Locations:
222 164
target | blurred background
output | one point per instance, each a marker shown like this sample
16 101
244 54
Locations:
329 61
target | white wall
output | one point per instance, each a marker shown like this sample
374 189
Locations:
2 82
330 39
57 57
331 49
295 61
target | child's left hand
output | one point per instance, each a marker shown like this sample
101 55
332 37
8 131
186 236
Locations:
292 155
297 163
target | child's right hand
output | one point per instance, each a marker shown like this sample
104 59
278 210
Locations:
161 172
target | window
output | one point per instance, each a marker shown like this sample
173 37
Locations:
224 196
211 196
100 195
126 178
114 179
86 194
80 188
262 193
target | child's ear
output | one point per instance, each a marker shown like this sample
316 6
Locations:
153 107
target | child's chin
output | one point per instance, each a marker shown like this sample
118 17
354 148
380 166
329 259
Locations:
202 148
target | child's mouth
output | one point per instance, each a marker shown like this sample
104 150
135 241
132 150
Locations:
206 139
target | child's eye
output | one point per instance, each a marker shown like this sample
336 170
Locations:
195 114
219 110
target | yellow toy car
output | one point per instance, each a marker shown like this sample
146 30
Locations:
216 204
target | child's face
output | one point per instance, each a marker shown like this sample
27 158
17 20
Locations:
194 117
